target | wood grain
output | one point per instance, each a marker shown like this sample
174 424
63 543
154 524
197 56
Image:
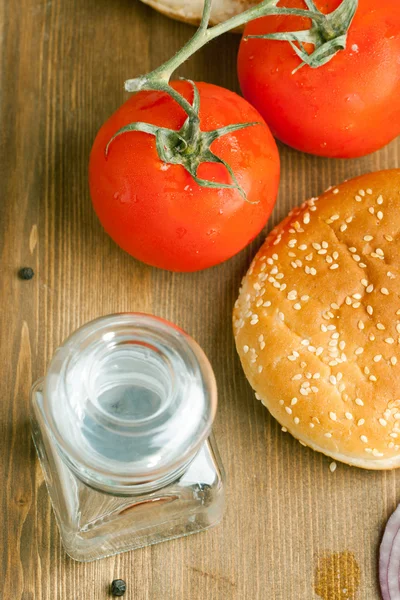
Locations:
63 63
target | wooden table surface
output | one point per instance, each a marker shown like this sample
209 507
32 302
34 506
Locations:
63 67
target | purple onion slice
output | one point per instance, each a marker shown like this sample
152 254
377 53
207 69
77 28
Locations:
389 558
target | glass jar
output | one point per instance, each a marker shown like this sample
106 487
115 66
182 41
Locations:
121 423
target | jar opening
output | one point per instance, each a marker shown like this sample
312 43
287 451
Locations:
129 398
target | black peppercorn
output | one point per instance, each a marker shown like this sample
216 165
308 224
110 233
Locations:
26 273
118 587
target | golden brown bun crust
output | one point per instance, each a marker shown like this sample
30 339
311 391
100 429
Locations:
191 11
317 322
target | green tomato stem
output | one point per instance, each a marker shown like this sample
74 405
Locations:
203 35
190 147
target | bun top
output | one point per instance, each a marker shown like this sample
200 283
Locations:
317 322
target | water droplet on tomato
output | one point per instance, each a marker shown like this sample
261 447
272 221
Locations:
116 196
181 231
323 145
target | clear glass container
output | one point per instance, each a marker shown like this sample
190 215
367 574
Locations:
121 423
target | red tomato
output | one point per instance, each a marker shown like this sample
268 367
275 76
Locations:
156 211
346 108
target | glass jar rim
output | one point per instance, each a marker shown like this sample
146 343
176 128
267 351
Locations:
106 474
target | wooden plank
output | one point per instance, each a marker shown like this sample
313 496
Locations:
63 65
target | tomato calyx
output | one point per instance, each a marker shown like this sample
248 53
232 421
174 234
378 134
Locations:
189 146
328 33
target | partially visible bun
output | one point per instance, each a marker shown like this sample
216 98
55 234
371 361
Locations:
317 322
191 11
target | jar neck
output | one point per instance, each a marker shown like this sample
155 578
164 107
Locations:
129 399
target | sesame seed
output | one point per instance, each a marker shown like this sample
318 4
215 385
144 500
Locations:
313 271
360 325
318 352
267 303
332 415
284 429
380 326
293 401
288 410
297 306
262 345
379 200
335 266
334 217
260 369
349 416
385 291
372 378
376 452
293 264
383 422
388 238
332 467
275 256
371 210
281 402
359 350
335 191
364 439
370 310
356 257
358 198
393 435
281 316
364 282
359 402
343 227
305 298
370 288
360 422
303 247
377 357
296 420
292 295
379 214
393 360
245 349
389 340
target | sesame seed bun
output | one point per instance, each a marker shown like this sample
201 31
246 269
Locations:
317 322
191 12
